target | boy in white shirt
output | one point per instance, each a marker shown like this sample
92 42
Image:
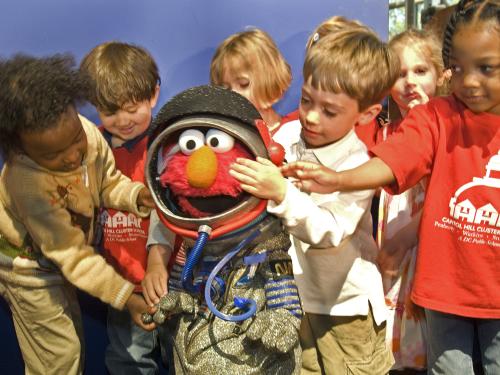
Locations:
346 76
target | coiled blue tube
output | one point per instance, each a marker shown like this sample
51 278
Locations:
193 258
239 302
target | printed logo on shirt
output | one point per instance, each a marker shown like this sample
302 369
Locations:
121 226
474 209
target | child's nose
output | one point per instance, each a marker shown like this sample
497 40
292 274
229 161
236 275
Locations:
411 79
312 117
72 157
121 119
470 79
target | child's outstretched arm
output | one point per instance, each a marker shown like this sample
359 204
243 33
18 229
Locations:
320 224
315 178
260 178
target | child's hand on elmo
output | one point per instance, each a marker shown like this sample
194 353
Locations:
260 178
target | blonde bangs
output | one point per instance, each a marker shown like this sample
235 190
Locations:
255 52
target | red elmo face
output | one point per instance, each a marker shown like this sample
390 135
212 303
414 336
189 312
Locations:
196 170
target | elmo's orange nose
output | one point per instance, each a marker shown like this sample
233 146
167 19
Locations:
201 169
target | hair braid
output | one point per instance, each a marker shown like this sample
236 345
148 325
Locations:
464 13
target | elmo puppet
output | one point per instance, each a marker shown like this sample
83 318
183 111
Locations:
232 300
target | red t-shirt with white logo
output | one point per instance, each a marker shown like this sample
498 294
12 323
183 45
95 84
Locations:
458 264
124 235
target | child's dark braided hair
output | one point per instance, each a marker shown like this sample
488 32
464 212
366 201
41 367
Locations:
467 11
34 93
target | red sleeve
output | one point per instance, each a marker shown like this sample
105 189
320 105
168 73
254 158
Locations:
292 116
368 133
410 151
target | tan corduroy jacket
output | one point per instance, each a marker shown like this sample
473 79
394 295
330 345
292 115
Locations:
48 221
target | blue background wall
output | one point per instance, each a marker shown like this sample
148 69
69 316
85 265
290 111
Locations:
182 36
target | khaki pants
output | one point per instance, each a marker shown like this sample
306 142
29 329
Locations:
48 326
338 345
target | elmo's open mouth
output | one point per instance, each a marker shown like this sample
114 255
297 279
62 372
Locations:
215 204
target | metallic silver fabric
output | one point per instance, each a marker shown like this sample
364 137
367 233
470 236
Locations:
266 343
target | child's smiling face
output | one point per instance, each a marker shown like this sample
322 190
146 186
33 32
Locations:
60 148
129 121
475 66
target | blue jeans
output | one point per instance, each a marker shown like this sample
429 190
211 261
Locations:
451 341
132 350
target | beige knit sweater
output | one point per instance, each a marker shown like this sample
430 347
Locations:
48 220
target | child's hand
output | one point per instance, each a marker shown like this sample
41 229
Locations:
413 311
137 306
389 264
312 177
389 259
154 284
260 178
144 198
422 97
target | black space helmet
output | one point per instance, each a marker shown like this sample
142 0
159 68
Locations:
203 107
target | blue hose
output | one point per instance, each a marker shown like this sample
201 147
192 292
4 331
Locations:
239 302
193 258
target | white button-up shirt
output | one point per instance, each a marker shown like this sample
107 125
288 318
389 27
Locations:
333 251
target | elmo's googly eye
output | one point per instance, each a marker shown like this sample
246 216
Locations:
219 141
190 141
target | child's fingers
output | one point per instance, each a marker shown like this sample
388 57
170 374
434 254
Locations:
248 163
306 186
308 174
249 189
242 177
137 318
422 99
146 292
307 166
265 161
159 287
300 169
153 289
241 168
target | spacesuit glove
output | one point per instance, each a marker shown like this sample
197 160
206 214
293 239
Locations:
278 330
174 302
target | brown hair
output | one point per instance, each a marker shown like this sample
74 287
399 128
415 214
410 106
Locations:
119 73
255 51
355 62
332 25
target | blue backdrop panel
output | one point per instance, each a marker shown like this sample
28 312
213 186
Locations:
182 36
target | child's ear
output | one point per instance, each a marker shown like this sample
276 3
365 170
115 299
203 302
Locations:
444 78
368 114
155 97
